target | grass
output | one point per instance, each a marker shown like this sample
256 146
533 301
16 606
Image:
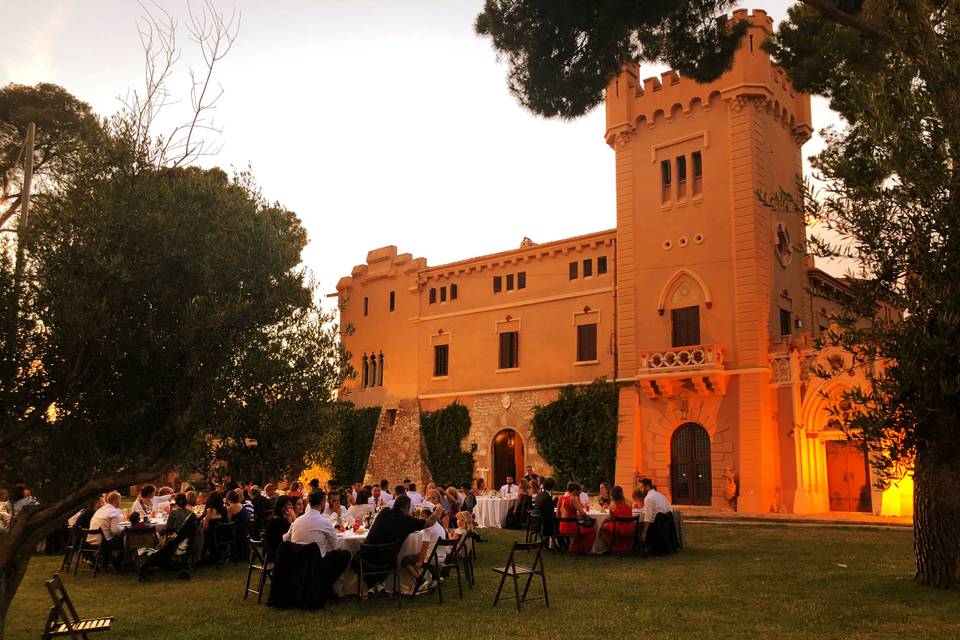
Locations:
731 582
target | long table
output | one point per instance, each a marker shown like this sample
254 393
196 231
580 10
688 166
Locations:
346 584
490 512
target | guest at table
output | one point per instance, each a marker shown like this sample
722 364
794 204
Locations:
469 498
334 506
143 504
299 505
384 486
465 525
165 491
21 497
510 488
108 519
238 514
516 517
179 512
481 489
270 493
454 500
377 498
415 498
296 489
81 519
431 535
658 534
531 476
544 506
570 506
584 496
314 527
135 521
637 498
393 526
625 530
214 512
603 499
429 503
262 508
279 523
398 491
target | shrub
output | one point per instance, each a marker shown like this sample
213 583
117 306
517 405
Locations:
443 431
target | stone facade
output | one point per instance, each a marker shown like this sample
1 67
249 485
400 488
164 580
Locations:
396 446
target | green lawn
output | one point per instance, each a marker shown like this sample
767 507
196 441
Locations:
731 582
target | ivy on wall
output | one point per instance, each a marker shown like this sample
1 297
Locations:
577 433
346 444
443 431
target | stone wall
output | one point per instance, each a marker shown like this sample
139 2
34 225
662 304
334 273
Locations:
395 454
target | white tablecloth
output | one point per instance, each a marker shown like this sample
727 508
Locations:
346 584
490 512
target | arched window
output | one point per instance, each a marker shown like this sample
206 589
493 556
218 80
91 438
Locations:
373 370
380 372
366 371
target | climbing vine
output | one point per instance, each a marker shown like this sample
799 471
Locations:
443 432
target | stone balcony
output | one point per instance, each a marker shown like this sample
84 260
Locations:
664 372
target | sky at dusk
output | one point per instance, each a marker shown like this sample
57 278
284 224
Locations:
378 122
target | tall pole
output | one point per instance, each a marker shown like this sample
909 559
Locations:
21 241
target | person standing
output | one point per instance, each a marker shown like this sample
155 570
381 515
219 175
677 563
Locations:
658 532
544 506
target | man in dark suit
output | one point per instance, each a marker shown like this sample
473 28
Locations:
544 505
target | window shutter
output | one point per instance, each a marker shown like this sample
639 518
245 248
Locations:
686 326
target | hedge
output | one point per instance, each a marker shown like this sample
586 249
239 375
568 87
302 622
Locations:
443 431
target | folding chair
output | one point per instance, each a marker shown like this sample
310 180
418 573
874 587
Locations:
465 554
223 541
617 537
534 525
514 571
92 550
572 539
259 561
71 550
63 619
135 539
438 570
367 564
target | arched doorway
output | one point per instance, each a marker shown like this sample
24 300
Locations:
690 465
507 457
847 476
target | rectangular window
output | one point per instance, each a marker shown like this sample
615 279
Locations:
785 328
601 265
366 305
522 280
685 326
681 176
433 295
697 173
393 300
497 284
443 294
574 267
587 268
666 180
453 292
509 282
441 360
586 342
509 347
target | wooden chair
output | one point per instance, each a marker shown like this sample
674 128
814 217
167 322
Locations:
92 550
438 571
572 539
514 571
135 539
71 550
617 537
259 561
63 619
223 533
465 554
367 564
534 526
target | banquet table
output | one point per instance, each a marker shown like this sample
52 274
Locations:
346 584
490 512
600 517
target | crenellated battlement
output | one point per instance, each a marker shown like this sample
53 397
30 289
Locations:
659 100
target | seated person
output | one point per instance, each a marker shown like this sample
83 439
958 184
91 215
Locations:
179 513
469 498
584 496
658 534
398 491
637 498
603 498
335 508
569 506
481 489
107 519
81 519
144 502
315 528
415 498
431 534
240 516
278 524
510 488
625 530
393 526
135 521
377 499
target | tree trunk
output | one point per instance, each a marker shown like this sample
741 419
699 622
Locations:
936 523
11 575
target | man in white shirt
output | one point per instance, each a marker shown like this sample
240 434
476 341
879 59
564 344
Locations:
584 496
377 499
108 518
314 527
429 537
415 498
510 489
658 530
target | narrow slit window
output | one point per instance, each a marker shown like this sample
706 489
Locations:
433 295
393 300
522 280
681 176
666 180
453 292
509 282
380 372
366 371
443 294
697 173
366 306
587 267
601 265
497 284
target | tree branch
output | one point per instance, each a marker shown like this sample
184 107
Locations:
827 9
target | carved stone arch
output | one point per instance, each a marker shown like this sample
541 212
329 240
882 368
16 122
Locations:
675 281
814 414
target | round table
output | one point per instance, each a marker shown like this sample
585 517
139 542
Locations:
490 512
346 584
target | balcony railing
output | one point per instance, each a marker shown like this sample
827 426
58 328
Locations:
692 358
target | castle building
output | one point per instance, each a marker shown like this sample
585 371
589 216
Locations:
701 302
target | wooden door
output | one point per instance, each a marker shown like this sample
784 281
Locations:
690 470
847 477
504 457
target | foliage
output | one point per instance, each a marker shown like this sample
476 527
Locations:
577 433
443 432
346 441
562 54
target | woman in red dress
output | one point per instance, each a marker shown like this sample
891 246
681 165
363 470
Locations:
569 507
625 530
